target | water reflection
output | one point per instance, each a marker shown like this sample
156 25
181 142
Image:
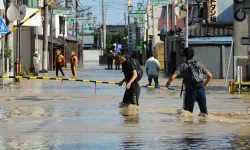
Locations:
131 117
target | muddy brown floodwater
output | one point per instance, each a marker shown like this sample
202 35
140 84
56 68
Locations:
46 120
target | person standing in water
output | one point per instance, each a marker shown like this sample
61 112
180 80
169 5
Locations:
192 72
73 62
133 88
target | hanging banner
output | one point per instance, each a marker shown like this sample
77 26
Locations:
213 11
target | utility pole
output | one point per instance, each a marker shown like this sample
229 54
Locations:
125 30
9 38
147 42
51 42
186 37
78 51
45 38
103 26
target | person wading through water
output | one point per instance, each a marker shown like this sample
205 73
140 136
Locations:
73 61
192 72
59 62
133 73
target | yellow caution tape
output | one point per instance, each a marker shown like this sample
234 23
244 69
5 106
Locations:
46 78
19 77
86 80
111 82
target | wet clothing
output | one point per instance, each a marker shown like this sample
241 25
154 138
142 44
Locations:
198 95
192 94
73 61
59 64
131 95
182 71
155 77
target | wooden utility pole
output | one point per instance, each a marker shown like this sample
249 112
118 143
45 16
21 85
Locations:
45 38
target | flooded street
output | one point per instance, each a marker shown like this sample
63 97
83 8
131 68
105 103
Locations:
49 118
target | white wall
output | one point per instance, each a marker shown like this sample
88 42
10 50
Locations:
153 22
35 20
25 50
90 55
57 26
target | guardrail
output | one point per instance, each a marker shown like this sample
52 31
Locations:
239 87
76 80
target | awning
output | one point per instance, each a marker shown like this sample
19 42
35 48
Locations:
68 38
211 40
88 46
55 40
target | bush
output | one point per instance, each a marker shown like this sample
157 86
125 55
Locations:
24 71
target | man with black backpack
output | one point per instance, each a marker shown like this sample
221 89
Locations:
192 72
133 73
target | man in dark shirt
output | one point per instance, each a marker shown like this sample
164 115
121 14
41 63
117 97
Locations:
192 93
133 88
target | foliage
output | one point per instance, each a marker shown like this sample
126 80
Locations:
24 71
7 51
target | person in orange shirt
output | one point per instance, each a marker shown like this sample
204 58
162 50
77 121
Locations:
59 62
73 61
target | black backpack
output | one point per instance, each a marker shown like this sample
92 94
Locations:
138 68
196 74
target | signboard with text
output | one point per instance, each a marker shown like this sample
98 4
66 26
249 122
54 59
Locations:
213 11
61 12
137 15
159 2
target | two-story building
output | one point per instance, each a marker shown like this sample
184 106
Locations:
210 34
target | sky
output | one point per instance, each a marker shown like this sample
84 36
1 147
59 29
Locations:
115 10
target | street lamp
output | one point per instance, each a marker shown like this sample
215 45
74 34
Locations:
94 19
130 9
139 5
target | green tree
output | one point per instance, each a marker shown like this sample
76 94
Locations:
7 51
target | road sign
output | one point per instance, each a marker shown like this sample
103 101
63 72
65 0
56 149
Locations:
85 21
140 25
159 2
3 28
137 15
71 19
89 25
61 12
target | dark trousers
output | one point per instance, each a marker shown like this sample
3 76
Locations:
73 69
198 95
59 67
151 77
110 64
117 66
131 96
